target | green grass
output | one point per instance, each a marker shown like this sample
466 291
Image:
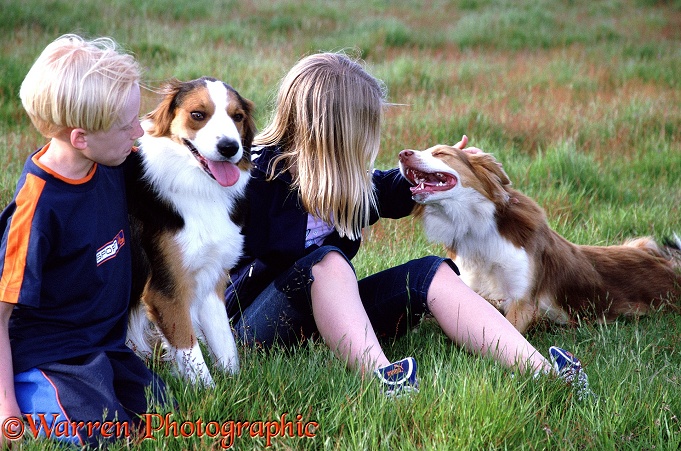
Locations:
580 100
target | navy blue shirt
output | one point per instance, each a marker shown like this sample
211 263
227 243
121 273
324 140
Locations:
65 264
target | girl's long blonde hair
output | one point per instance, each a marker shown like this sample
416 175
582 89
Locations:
327 123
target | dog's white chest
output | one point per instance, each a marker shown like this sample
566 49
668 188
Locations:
500 272
209 236
489 264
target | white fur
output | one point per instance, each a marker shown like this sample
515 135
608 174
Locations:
192 365
209 232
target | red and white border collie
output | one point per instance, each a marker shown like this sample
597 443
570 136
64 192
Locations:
507 253
185 189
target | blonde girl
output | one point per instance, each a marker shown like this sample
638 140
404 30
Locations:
313 191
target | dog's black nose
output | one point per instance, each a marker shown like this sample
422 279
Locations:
228 147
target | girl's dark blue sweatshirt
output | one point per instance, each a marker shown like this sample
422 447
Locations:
276 224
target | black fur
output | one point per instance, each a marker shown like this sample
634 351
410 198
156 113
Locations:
148 214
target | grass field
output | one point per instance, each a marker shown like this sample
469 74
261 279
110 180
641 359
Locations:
580 100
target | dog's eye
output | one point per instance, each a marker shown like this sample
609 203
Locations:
238 117
198 116
440 154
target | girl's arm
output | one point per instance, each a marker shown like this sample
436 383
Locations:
392 195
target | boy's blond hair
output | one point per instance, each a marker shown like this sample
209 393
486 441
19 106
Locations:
76 83
327 122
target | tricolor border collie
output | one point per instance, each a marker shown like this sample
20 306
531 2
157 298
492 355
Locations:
185 190
508 254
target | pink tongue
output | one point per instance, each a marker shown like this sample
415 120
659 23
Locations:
226 173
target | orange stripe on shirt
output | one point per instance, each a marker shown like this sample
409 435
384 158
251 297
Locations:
55 174
17 240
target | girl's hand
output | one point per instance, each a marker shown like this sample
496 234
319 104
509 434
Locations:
461 145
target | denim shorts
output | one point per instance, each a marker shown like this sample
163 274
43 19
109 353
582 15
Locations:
395 300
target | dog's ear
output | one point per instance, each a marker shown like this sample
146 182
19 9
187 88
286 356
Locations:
162 116
249 129
491 174
491 165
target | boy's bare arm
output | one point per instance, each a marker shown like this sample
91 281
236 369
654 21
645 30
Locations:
8 400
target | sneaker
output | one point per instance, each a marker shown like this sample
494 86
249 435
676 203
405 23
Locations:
399 378
569 368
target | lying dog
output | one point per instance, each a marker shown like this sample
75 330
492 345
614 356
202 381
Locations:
507 252
185 187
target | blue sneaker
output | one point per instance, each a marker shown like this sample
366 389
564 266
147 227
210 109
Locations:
399 378
569 368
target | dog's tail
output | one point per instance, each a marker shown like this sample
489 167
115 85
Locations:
673 242
143 336
668 248
671 247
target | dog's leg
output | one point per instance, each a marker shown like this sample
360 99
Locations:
216 330
521 313
192 365
174 320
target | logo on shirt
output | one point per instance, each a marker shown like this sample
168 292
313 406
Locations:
110 249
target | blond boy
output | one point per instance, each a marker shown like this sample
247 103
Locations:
65 259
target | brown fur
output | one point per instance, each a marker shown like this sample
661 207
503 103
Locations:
165 301
601 282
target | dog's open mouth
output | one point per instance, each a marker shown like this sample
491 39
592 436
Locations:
428 182
224 172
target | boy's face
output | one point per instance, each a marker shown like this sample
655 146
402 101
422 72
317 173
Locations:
112 147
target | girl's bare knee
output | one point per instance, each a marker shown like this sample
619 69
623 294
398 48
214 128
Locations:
332 263
445 274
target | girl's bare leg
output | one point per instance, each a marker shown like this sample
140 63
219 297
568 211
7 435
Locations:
465 317
340 316
472 322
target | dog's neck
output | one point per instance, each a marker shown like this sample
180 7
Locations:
454 222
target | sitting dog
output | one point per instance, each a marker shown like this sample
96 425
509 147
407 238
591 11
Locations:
508 254
186 185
